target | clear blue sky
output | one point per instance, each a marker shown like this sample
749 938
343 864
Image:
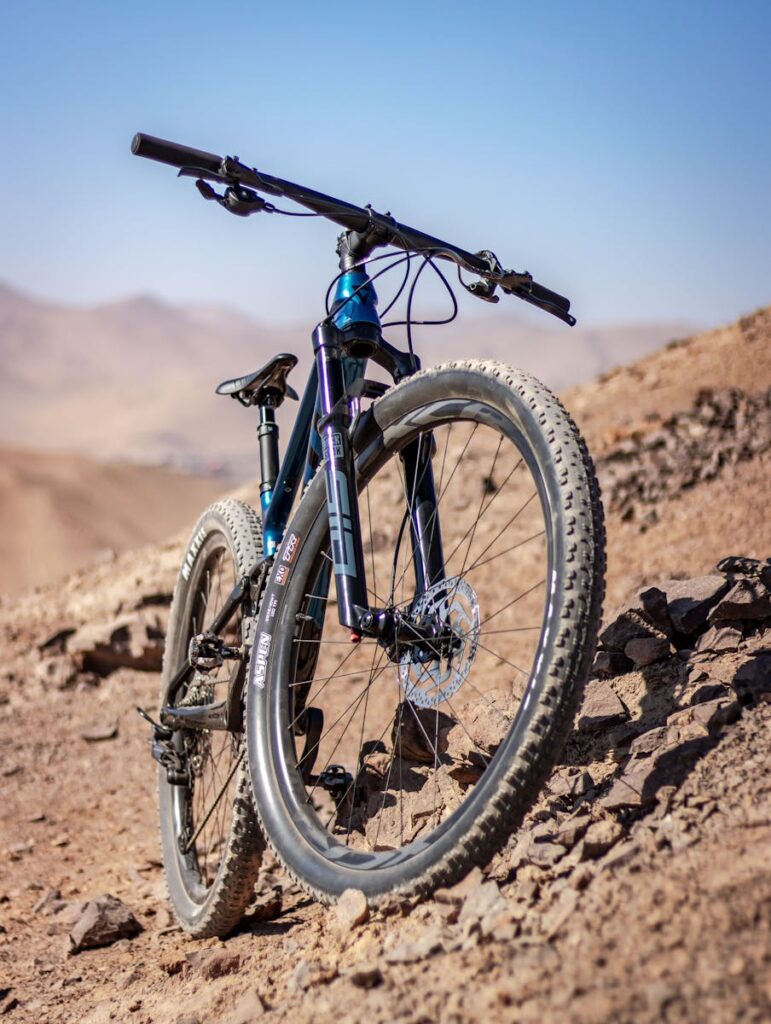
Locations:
619 151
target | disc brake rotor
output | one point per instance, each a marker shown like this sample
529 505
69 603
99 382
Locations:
431 673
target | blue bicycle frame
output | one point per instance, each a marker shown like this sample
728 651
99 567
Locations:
343 343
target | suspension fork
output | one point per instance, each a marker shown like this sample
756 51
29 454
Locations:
342 498
422 507
342 502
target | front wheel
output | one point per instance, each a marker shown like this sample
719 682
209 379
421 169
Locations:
398 769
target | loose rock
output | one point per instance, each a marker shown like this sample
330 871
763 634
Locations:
600 836
601 708
645 650
351 910
103 921
689 601
747 600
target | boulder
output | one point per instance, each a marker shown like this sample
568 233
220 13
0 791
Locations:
719 638
130 641
700 720
635 788
610 663
644 651
753 680
629 625
648 742
746 601
689 601
653 604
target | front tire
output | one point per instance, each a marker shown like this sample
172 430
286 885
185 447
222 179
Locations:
463 741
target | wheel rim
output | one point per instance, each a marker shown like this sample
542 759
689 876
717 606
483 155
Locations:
411 774
202 810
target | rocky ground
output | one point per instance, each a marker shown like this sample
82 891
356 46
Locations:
638 889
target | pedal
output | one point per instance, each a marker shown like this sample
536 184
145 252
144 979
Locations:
207 651
337 782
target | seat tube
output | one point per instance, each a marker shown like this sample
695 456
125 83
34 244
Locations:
342 498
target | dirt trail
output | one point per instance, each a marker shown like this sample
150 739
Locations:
639 888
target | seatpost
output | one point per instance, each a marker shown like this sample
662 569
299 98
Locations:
342 501
267 432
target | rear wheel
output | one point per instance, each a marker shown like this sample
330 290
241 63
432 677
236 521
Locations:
429 755
211 842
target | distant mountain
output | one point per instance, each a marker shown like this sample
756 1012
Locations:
135 379
61 512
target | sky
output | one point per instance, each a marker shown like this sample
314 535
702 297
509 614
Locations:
619 151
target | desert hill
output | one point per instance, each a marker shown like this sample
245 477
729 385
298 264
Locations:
145 371
639 887
61 512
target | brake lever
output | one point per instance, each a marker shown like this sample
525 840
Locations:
236 199
482 289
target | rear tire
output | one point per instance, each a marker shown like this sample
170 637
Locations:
211 885
481 802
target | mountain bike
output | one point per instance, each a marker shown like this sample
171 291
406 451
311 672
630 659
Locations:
377 671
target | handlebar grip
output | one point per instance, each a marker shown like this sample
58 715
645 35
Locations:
172 153
547 295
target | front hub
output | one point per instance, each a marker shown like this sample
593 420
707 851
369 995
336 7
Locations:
433 670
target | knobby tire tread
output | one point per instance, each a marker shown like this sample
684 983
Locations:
233 887
558 702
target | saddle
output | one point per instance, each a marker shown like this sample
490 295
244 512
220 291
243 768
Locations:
266 386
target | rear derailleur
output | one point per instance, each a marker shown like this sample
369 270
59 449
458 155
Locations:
197 710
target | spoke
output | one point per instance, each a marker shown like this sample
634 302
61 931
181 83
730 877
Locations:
505 660
358 757
519 544
433 518
425 734
444 455
331 643
326 681
510 603
482 512
487 700
503 529
356 701
397 742
353 782
211 809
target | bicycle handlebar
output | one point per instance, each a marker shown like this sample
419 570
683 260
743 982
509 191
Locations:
173 153
363 220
